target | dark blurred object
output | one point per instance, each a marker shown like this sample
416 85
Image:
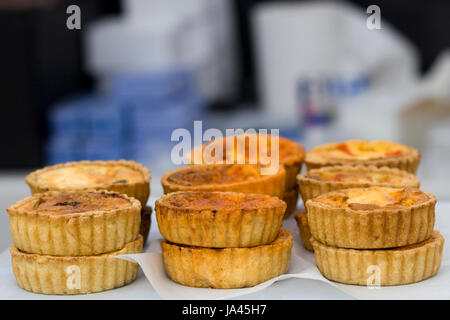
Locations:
24 4
41 62
425 23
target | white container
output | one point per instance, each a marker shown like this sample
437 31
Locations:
322 39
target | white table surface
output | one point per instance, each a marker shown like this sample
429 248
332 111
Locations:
142 289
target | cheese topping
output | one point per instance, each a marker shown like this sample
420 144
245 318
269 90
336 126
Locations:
373 198
358 150
221 200
74 202
88 175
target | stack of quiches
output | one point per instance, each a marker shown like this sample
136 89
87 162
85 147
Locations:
222 222
365 214
80 216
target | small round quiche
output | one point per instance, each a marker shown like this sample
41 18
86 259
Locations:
315 182
219 219
245 178
372 218
354 152
394 266
74 275
290 153
301 218
229 267
74 223
127 177
291 199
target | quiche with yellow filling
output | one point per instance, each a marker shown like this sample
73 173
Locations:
127 177
219 219
229 267
371 218
243 178
384 267
354 152
74 223
315 182
247 149
74 275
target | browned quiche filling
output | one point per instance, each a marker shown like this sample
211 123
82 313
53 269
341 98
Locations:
88 175
358 150
220 200
373 198
243 144
74 202
215 174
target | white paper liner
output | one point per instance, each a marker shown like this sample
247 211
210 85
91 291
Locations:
302 266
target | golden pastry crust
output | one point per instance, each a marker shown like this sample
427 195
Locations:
126 177
230 267
59 275
305 234
291 199
315 182
396 266
360 152
291 154
74 223
243 178
219 219
146 220
371 218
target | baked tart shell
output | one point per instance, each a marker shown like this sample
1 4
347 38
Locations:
305 234
146 220
371 229
221 228
273 185
292 168
139 190
291 199
77 234
311 188
227 268
52 275
408 162
291 161
396 266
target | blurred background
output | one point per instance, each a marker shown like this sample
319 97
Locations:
138 69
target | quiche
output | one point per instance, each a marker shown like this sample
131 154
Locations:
305 234
246 149
74 223
146 220
219 219
315 182
291 199
229 267
244 178
371 218
74 275
354 152
384 267
127 177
